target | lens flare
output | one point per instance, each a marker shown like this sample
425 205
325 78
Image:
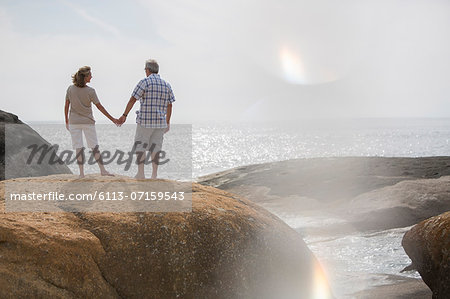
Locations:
293 68
321 288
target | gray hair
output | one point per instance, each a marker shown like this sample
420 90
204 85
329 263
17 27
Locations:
152 66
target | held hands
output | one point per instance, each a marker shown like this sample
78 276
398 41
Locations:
122 119
116 122
119 121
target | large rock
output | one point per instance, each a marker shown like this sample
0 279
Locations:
428 246
326 179
364 192
404 204
15 137
227 247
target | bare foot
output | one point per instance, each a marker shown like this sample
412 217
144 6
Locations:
105 173
139 177
81 176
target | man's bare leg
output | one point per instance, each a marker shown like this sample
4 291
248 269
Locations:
99 160
140 158
80 161
155 161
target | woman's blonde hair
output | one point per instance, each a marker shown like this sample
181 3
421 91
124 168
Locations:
78 78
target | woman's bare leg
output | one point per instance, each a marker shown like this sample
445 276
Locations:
80 161
99 160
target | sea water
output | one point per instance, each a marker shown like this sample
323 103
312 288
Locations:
352 262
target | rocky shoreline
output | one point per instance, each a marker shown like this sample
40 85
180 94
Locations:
226 218
367 194
229 245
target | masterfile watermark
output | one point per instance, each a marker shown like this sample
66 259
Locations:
101 196
65 157
93 195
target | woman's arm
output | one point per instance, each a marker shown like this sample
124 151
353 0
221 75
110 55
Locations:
66 113
103 110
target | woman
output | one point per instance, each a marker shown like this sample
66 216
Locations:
80 120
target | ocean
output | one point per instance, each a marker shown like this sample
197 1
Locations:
222 146
352 262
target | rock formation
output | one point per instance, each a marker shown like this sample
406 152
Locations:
15 137
366 192
227 247
428 246
404 204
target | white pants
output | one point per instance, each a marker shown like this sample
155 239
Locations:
77 136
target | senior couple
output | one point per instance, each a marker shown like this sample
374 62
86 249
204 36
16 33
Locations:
153 118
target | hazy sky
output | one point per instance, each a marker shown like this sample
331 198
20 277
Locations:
232 60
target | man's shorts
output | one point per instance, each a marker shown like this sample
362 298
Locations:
77 136
148 139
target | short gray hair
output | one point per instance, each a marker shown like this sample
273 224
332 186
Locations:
152 66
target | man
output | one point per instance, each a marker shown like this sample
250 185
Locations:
153 118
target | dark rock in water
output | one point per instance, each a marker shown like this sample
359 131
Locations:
227 247
15 137
428 246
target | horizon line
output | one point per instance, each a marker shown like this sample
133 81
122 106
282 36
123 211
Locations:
269 121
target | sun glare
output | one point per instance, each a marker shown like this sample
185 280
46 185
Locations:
294 71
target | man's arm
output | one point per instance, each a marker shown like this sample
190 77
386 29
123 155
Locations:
168 115
130 105
66 113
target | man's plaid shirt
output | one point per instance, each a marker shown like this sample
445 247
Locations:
154 95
